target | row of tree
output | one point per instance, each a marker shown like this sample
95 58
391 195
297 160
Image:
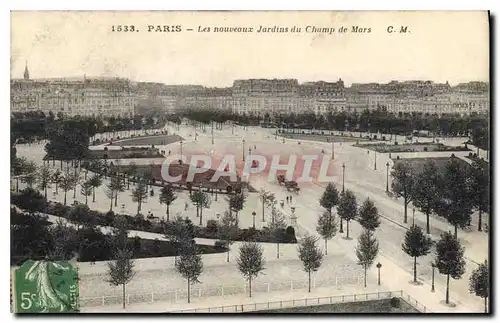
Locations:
451 193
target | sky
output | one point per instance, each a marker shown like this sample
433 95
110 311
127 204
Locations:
439 46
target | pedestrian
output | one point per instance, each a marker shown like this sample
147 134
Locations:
290 199
185 206
287 200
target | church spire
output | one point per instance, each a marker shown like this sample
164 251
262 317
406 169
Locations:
26 72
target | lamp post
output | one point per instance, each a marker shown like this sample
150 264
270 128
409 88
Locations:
253 215
212 132
243 149
379 265
181 150
375 166
333 149
232 130
387 178
433 265
343 177
293 217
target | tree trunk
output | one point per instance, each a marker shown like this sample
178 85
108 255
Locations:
428 227
74 192
57 188
263 218
17 185
347 224
480 221
250 285
168 212
341 230
86 199
139 206
326 247
45 189
277 250
365 275
197 211
456 231
65 192
189 293
93 194
201 216
111 204
414 269
116 199
448 289
309 274
60 164
405 219
123 295
227 258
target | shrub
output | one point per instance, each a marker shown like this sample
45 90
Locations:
395 302
212 226
425 148
221 245
470 154
395 143
105 148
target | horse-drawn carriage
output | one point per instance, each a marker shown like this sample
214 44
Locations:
291 186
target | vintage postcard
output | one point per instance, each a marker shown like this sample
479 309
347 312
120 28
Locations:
250 162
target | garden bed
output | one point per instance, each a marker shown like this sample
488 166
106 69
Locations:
414 147
417 164
125 153
156 140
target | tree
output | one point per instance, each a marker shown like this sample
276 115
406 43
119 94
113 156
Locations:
86 190
449 259
189 266
118 186
456 204
347 207
201 200
366 250
120 270
479 283
480 190
95 182
236 203
56 179
140 194
44 177
250 262
330 197
167 197
227 229
265 197
68 182
403 182
30 173
277 227
326 227
182 234
368 215
310 255
111 193
426 190
415 245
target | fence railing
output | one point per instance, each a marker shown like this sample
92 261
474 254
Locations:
217 290
327 300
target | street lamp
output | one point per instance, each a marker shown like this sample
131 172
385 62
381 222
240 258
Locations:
433 265
333 149
387 178
375 166
232 130
343 176
379 265
253 215
181 151
413 216
243 149
212 132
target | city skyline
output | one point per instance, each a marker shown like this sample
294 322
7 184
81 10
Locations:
78 43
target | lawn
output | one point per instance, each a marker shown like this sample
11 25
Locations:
148 141
125 153
321 138
418 163
375 306
408 148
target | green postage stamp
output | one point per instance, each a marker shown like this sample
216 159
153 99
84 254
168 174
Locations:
46 287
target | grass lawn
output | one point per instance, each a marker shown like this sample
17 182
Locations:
375 306
418 163
125 153
148 141
407 148
322 138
